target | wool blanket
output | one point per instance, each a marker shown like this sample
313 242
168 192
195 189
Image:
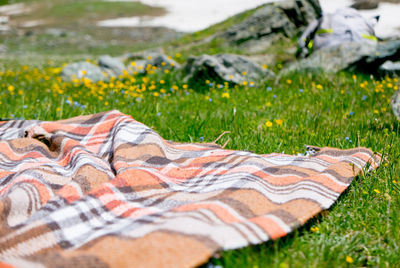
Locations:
107 191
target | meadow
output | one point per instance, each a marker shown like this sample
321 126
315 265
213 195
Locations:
343 110
339 110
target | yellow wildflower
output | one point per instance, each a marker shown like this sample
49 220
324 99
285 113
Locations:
377 191
349 259
278 121
314 229
268 124
225 95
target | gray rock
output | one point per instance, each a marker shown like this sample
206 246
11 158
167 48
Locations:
163 61
139 66
390 68
335 58
351 56
395 102
224 67
365 4
386 51
113 66
79 70
272 22
154 57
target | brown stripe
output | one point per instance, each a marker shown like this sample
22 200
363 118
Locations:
158 249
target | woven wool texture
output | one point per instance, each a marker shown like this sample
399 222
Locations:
107 191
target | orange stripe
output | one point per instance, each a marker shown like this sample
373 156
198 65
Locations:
69 192
288 180
272 228
136 178
5 265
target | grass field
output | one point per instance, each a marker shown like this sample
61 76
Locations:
342 110
76 22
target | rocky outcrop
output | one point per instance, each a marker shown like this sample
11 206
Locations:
395 102
153 57
365 4
80 70
224 67
386 51
350 56
335 58
162 61
390 68
272 22
113 66
107 67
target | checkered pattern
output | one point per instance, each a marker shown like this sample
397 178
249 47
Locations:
107 191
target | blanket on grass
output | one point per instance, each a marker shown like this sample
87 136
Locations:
107 191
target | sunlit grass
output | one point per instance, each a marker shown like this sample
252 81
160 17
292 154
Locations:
342 110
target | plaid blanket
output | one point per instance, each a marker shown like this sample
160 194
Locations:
107 191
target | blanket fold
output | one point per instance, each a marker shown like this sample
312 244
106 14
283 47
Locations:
107 191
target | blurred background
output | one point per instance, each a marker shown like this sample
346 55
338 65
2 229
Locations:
117 26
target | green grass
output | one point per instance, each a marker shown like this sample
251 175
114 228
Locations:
316 109
219 27
78 21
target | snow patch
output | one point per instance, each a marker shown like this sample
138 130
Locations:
195 15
